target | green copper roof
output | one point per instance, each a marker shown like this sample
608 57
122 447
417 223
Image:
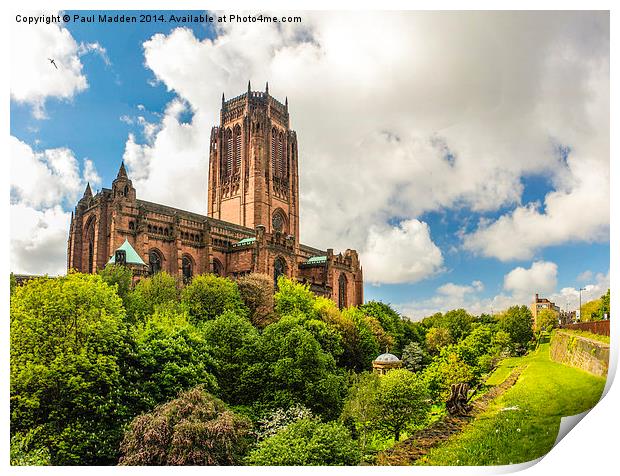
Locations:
245 241
132 256
317 260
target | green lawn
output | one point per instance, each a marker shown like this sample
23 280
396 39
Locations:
522 424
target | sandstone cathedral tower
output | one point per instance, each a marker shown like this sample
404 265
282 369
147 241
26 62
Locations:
253 214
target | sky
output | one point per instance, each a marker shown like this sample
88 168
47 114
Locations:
465 155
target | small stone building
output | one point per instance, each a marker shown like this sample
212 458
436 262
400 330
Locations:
386 362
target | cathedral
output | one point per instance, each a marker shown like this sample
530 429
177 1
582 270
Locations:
252 223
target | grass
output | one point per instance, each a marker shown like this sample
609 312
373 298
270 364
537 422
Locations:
589 335
522 424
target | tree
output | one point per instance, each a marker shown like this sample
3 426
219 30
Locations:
437 338
458 322
445 370
501 344
290 367
365 346
209 296
414 357
517 322
307 442
360 408
68 348
389 320
257 292
279 419
546 320
119 276
232 340
149 293
171 356
293 297
25 452
193 429
402 401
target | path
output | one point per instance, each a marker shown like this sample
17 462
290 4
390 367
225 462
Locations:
408 451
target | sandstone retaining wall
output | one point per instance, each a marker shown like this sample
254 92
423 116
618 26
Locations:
581 352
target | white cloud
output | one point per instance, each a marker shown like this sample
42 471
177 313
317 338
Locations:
33 77
541 278
568 298
585 276
404 253
96 48
520 285
459 120
41 182
39 240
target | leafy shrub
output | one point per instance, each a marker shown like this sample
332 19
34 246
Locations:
26 452
194 429
208 296
257 292
293 297
119 276
279 419
414 357
307 442
437 338
445 370
160 289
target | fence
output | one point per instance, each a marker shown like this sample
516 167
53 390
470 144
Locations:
596 327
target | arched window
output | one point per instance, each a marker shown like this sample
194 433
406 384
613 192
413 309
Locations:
188 269
218 270
342 291
274 149
131 225
155 260
279 268
278 222
280 155
90 240
229 153
126 191
237 149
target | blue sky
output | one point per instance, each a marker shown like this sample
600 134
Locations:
468 201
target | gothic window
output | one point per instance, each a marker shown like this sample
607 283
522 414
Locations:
131 225
279 268
342 291
188 269
126 191
274 148
90 237
155 261
278 221
237 149
280 168
218 270
228 166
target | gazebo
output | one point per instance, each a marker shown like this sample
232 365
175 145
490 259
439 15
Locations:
386 362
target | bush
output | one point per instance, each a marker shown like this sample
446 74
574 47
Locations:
445 370
119 276
257 292
160 289
68 343
360 409
414 357
402 401
279 419
307 442
194 429
26 452
293 298
208 296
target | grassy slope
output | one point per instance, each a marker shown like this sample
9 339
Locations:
544 393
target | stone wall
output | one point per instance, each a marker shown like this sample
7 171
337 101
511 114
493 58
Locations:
577 351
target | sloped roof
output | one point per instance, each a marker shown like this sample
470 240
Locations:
245 241
317 260
132 256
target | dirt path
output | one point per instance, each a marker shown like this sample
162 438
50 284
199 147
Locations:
408 451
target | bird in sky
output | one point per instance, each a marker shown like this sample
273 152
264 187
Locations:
51 60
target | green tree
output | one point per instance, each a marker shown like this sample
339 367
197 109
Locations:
307 442
293 297
365 345
402 401
458 322
501 344
25 451
389 319
415 357
160 289
290 367
68 346
546 320
119 276
257 292
194 429
517 322
232 340
445 370
360 408
172 356
437 338
474 346
12 283
209 296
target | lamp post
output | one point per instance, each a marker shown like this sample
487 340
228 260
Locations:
580 289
